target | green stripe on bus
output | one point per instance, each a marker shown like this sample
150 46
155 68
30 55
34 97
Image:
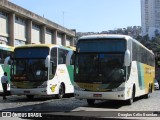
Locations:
70 71
140 75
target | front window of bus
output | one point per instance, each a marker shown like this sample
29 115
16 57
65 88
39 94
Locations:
29 65
100 61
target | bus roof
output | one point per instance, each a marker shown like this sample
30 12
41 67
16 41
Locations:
106 36
6 47
43 45
127 37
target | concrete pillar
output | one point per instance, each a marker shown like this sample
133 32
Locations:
64 39
29 31
54 37
72 41
11 21
42 34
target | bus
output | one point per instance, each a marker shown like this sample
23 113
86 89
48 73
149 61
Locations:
41 69
112 67
5 52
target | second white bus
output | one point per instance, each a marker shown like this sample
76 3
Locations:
42 70
113 67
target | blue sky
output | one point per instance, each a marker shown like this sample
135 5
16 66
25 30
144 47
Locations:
87 15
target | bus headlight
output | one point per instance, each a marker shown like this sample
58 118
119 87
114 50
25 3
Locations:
78 88
42 86
118 89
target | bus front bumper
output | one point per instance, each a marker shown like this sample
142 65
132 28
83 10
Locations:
38 91
120 95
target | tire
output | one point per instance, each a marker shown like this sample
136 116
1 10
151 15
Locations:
61 92
30 97
90 101
131 100
148 95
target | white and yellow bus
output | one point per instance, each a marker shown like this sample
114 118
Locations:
5 52
112 67
42 70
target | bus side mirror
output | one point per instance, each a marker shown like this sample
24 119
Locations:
68 57
47 61
6 61
127 58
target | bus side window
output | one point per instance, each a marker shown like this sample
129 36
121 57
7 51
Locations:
2 52
62 56
53 63
54 56
52 70
60 60
72 59
3 55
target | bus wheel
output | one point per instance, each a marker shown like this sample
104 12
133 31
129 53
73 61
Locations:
90 101
30 96
61 92
148 95
130 101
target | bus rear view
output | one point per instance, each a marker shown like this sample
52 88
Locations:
102 69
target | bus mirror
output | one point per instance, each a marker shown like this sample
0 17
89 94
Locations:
6 61
127 58
68 57
47 61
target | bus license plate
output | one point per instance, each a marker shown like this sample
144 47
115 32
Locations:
26 91
97 95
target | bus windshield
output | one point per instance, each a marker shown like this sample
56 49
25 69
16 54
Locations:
29 65
100 61
30 69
